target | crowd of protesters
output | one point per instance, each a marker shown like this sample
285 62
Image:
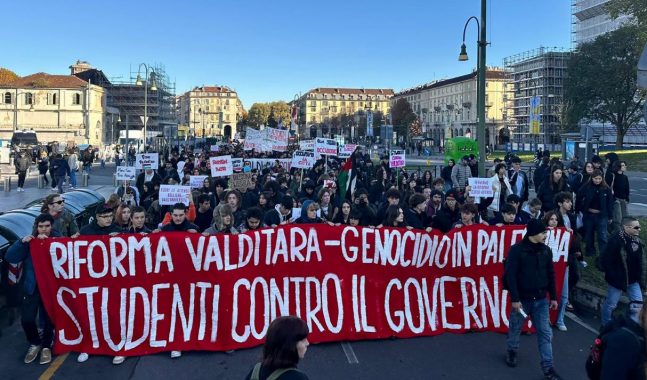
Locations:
589 199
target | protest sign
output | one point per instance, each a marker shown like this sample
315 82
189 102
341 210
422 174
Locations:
481 187
237 164
126 173
253 139
346 150
262 163
325 147
241 181
276 139
196 181
180 167
172 194
303 160
397 159
147 161
221 166
136 295
214 148
307 145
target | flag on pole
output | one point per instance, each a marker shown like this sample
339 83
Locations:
347 178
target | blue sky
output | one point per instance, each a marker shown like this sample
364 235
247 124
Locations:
272 50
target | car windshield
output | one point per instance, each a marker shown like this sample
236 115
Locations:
24 139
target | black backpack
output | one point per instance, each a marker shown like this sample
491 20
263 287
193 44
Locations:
593 363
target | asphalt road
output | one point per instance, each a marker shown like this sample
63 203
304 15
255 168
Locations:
447 356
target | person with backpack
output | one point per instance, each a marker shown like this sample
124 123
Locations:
286 343
529 277
622 264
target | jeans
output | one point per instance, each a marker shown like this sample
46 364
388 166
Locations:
594 223
21 178
32 305
538 312
613 296
73 178
563 301
59 183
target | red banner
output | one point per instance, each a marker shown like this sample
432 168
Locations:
136 294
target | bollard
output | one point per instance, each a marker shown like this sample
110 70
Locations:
84 179
7 183
115 182
41 181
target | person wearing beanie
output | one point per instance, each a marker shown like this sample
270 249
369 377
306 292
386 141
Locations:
530 278
415 215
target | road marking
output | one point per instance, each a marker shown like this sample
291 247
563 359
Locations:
580 322
350 354
51 370
639 204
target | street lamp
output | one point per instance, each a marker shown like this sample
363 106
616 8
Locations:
202 122
139 82
480 94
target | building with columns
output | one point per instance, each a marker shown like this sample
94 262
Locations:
209 111
446 108
59 108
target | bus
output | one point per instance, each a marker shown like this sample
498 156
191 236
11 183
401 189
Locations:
457 147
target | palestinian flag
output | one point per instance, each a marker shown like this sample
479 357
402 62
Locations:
347 178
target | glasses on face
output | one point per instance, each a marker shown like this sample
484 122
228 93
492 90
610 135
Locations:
58 202
105 216
636 227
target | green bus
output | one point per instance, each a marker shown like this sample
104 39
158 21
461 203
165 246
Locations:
457 147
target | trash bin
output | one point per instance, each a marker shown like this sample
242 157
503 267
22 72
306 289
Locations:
84 179
7 183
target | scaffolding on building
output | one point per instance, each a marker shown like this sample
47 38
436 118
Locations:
128 97
538 74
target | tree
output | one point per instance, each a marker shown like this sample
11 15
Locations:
636 8
282 111
271 120
601 83
7 76
403 117
258 114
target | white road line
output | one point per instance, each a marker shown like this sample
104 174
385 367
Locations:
350 354
639 204
580 322
332 243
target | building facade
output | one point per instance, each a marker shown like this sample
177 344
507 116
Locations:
590 20
60 108
210 111
341 111
536 78
447 108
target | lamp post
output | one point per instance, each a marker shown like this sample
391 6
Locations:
139 82
480 94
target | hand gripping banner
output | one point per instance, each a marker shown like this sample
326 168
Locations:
137 294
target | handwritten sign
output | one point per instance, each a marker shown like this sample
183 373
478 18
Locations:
325 147
241 181
196 181
307 145
397 159
221 166
345 150
303 160
147 161
180 166
481 187
253 139
276 139
126 173
172 194
214 148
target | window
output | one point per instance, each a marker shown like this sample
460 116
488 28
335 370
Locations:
29 98
313 103
51 99
7 98
76 99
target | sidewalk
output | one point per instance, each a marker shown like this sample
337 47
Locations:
101 180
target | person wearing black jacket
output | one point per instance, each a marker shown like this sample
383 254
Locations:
61 169
623 266
518 180
179 221
551 186
623 356
619 184
541 173
103 223
416 216
137 221
448 214
597 209
362 205
530 276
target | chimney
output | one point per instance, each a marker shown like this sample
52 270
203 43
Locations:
79 67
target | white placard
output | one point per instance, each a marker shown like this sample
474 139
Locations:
326 147
147 161
307 145
397 159
253 139
296 213
196 181
172 194
276 139
214 148
481 187
237 164
221 166
262 163
346 150
126 173
303 160
180 167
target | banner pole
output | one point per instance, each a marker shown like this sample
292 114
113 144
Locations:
301 179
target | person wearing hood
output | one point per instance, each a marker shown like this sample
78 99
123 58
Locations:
308 191
148 175
223 221
309 213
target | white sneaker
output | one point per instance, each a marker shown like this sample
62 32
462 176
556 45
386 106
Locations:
562 328
176 354
71 187
32 353
118 360
82 357
53 189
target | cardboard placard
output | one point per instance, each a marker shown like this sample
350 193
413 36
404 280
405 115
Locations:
196 181
326 147
172 194
397 159
147 161
126 173
221 166
303 160
241 181
307 145
346 150
481 187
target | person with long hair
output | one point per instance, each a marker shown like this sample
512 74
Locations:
597 208
446 174
394 217
64 222
223 221
286 343
122 216
328 210
343 216
554 184
619 185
